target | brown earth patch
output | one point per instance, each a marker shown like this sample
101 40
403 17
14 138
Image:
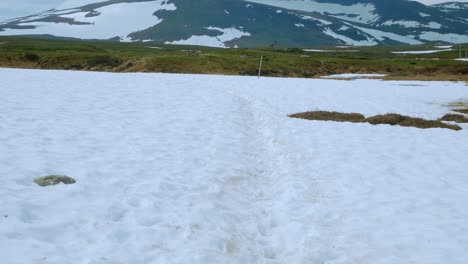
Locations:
455 118
330 116
463 111
388 119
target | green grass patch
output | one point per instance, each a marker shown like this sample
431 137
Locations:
103 60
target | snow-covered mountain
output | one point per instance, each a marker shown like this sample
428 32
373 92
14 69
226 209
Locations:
241 23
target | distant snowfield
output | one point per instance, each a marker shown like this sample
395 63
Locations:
353 76
444 47
420 51
360 12
209 169
412 24
450 37
78 3
381 35
322 50
116 20
372 35
219 41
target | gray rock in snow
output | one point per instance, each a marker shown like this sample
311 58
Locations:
54 180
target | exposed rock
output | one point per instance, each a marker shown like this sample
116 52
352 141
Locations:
54 180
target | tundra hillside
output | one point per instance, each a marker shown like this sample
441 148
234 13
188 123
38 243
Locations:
410 63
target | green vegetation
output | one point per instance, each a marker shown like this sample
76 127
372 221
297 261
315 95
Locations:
149 57
387 119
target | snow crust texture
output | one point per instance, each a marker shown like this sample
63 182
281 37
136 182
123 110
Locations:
209 169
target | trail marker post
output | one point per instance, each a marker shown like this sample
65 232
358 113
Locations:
260 67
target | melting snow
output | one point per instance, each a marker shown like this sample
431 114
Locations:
78 3
209 169
343 28
353 76
412 24
381 36
324 22
361 12
443 47
420 51
116 20
348 40
322 50
219 41
452 38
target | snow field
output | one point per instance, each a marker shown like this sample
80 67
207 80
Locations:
420 51
209 169
353 76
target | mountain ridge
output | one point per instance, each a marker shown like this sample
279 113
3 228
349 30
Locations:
238 23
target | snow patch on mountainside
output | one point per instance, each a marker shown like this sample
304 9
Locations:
78 3
452 38
412 24
41 15
381 36
228 34
348 40
324 22
372 36
453 6
116 20
360 13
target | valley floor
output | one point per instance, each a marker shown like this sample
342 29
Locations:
209 169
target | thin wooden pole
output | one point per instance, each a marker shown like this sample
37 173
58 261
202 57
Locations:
260 67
